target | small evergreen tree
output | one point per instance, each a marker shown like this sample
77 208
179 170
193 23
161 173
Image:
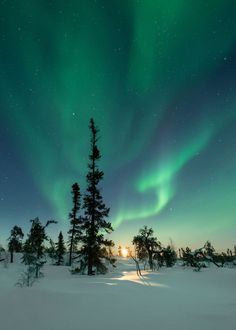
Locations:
60 250
186 256
75 222
15 241
27 278
169 256
94 224
33 248
209 249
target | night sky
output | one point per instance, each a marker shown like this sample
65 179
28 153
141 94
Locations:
159 79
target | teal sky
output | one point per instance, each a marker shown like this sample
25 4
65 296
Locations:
159 79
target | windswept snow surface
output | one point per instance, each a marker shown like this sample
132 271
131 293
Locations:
177 299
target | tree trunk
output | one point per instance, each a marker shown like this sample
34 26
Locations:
92 234
138 270
36 271
90 263
71 247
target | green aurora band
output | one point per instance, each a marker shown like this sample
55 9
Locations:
162 180
116 61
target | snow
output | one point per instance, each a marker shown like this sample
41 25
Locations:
176 298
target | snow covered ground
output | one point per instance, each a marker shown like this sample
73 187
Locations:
177 299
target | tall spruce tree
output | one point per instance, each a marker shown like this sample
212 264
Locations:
75 222
60 250
15 241
94 244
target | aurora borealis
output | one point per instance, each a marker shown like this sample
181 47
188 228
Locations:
159 79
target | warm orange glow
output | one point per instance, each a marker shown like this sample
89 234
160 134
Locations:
124 252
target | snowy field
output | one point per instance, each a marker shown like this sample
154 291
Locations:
177 299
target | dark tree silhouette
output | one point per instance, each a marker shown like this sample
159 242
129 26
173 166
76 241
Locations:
145 241
208 252
33 248
1 250
60 249
169 256
94 225
136 260
15 241
194 258
75 222
209 249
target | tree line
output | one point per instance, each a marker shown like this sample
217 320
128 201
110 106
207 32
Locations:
88 227
150 252
88 250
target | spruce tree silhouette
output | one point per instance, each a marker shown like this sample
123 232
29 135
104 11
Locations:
75 222
60 250
33 248
95 247
15 241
